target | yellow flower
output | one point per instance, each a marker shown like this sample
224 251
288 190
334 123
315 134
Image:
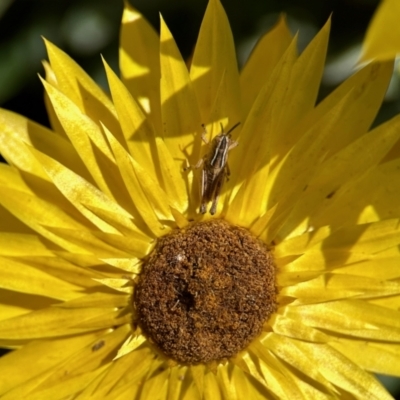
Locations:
99 218
382 40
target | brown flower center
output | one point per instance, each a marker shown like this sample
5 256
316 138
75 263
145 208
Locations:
205 292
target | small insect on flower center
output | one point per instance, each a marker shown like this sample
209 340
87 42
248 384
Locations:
205 292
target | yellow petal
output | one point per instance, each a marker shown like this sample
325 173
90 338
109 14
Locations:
301 94
211 388
383 265
131 264
145 192
123 377
88 141
180 220
15 129
16 304
13 244
300 243
371 238
20 277
121 285
82 367
381 358
291 328
342 372
254 150
134 124
228 388
114 318
139 62
75 84
291 177
58 391
197 372
260 227
41 353
104 245
331 193
214 57
180 113
339 286
40 216
174 185
177 382
131 344
382 40
364 205
355 318
54 121
287 350
82 194
97 299
156 387
57 321
273 373
365 90
264 57
8 222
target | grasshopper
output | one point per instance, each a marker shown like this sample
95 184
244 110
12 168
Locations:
215 168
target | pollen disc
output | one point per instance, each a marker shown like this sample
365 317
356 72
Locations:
205 292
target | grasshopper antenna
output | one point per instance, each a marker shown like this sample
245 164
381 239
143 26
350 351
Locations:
233 127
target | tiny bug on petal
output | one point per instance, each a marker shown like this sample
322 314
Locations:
215 168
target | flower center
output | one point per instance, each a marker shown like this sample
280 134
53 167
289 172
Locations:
205 292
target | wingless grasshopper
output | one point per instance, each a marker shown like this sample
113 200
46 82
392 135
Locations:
215 168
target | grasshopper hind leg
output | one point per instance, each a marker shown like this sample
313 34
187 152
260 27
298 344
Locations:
217 192
203 192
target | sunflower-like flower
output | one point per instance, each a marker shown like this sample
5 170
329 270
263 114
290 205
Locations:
117 282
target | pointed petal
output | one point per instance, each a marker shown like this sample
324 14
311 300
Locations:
180 113
124 376
355 318
177 382
54 121
254 150
156 387
139 62
211 387
173 178
214 57
382 40
134 123
40 215
339 174
75 84
343 373
145 192
86 137
302 91
131 344
258 67
15 129
41 354
329 287
197 372
365 90
82 194
381 358
20 277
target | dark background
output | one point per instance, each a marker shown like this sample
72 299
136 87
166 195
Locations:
86 28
